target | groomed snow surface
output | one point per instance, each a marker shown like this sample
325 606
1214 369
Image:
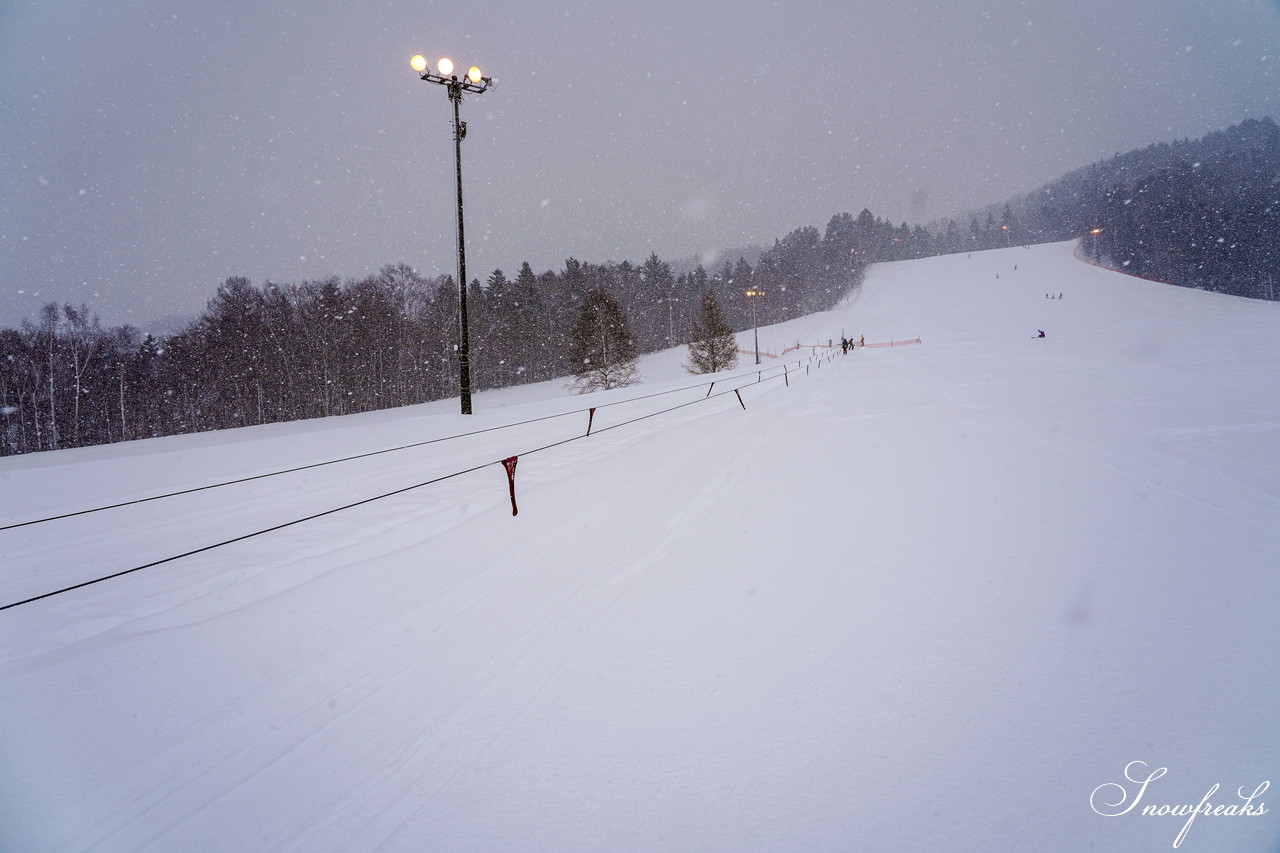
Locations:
927 597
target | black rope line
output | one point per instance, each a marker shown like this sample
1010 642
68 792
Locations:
634 420
294 470
243 537
361 502
274 473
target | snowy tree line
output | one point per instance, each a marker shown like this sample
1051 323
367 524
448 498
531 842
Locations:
1202 213
280 352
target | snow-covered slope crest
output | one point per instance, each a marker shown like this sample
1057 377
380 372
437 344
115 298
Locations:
923 597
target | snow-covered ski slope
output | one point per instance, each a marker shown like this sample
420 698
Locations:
925 597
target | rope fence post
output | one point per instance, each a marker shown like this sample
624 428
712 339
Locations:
740 403
510 464
591 416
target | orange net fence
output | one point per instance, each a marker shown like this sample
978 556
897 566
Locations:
815 347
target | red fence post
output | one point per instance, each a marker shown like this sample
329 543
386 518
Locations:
510 464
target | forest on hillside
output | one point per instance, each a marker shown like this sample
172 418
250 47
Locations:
281 352
1202 213
1199 213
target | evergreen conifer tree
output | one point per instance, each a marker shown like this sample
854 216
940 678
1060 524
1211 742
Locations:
602 350
712 346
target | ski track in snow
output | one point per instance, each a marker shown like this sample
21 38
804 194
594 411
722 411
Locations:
920 597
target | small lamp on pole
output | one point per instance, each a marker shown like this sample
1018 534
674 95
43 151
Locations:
755 328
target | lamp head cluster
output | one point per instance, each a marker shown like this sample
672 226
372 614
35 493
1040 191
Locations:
472 81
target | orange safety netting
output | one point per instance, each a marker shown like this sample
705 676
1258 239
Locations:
888 343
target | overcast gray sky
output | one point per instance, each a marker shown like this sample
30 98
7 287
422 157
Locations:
151 149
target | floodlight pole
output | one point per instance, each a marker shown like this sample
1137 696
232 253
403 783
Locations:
755 327
474 83
464 345
671 322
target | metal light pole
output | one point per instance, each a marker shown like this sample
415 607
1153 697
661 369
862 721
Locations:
475 83
755 328
671 320
1097 253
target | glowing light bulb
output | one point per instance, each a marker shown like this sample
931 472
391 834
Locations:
419 63
445 66
473 74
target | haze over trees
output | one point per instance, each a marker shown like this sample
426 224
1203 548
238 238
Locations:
279 352
1202 213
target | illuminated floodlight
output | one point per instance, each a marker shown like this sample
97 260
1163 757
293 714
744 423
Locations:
472 83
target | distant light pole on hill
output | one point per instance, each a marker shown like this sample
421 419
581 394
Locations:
1097 253
755 328
671 319
475 83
